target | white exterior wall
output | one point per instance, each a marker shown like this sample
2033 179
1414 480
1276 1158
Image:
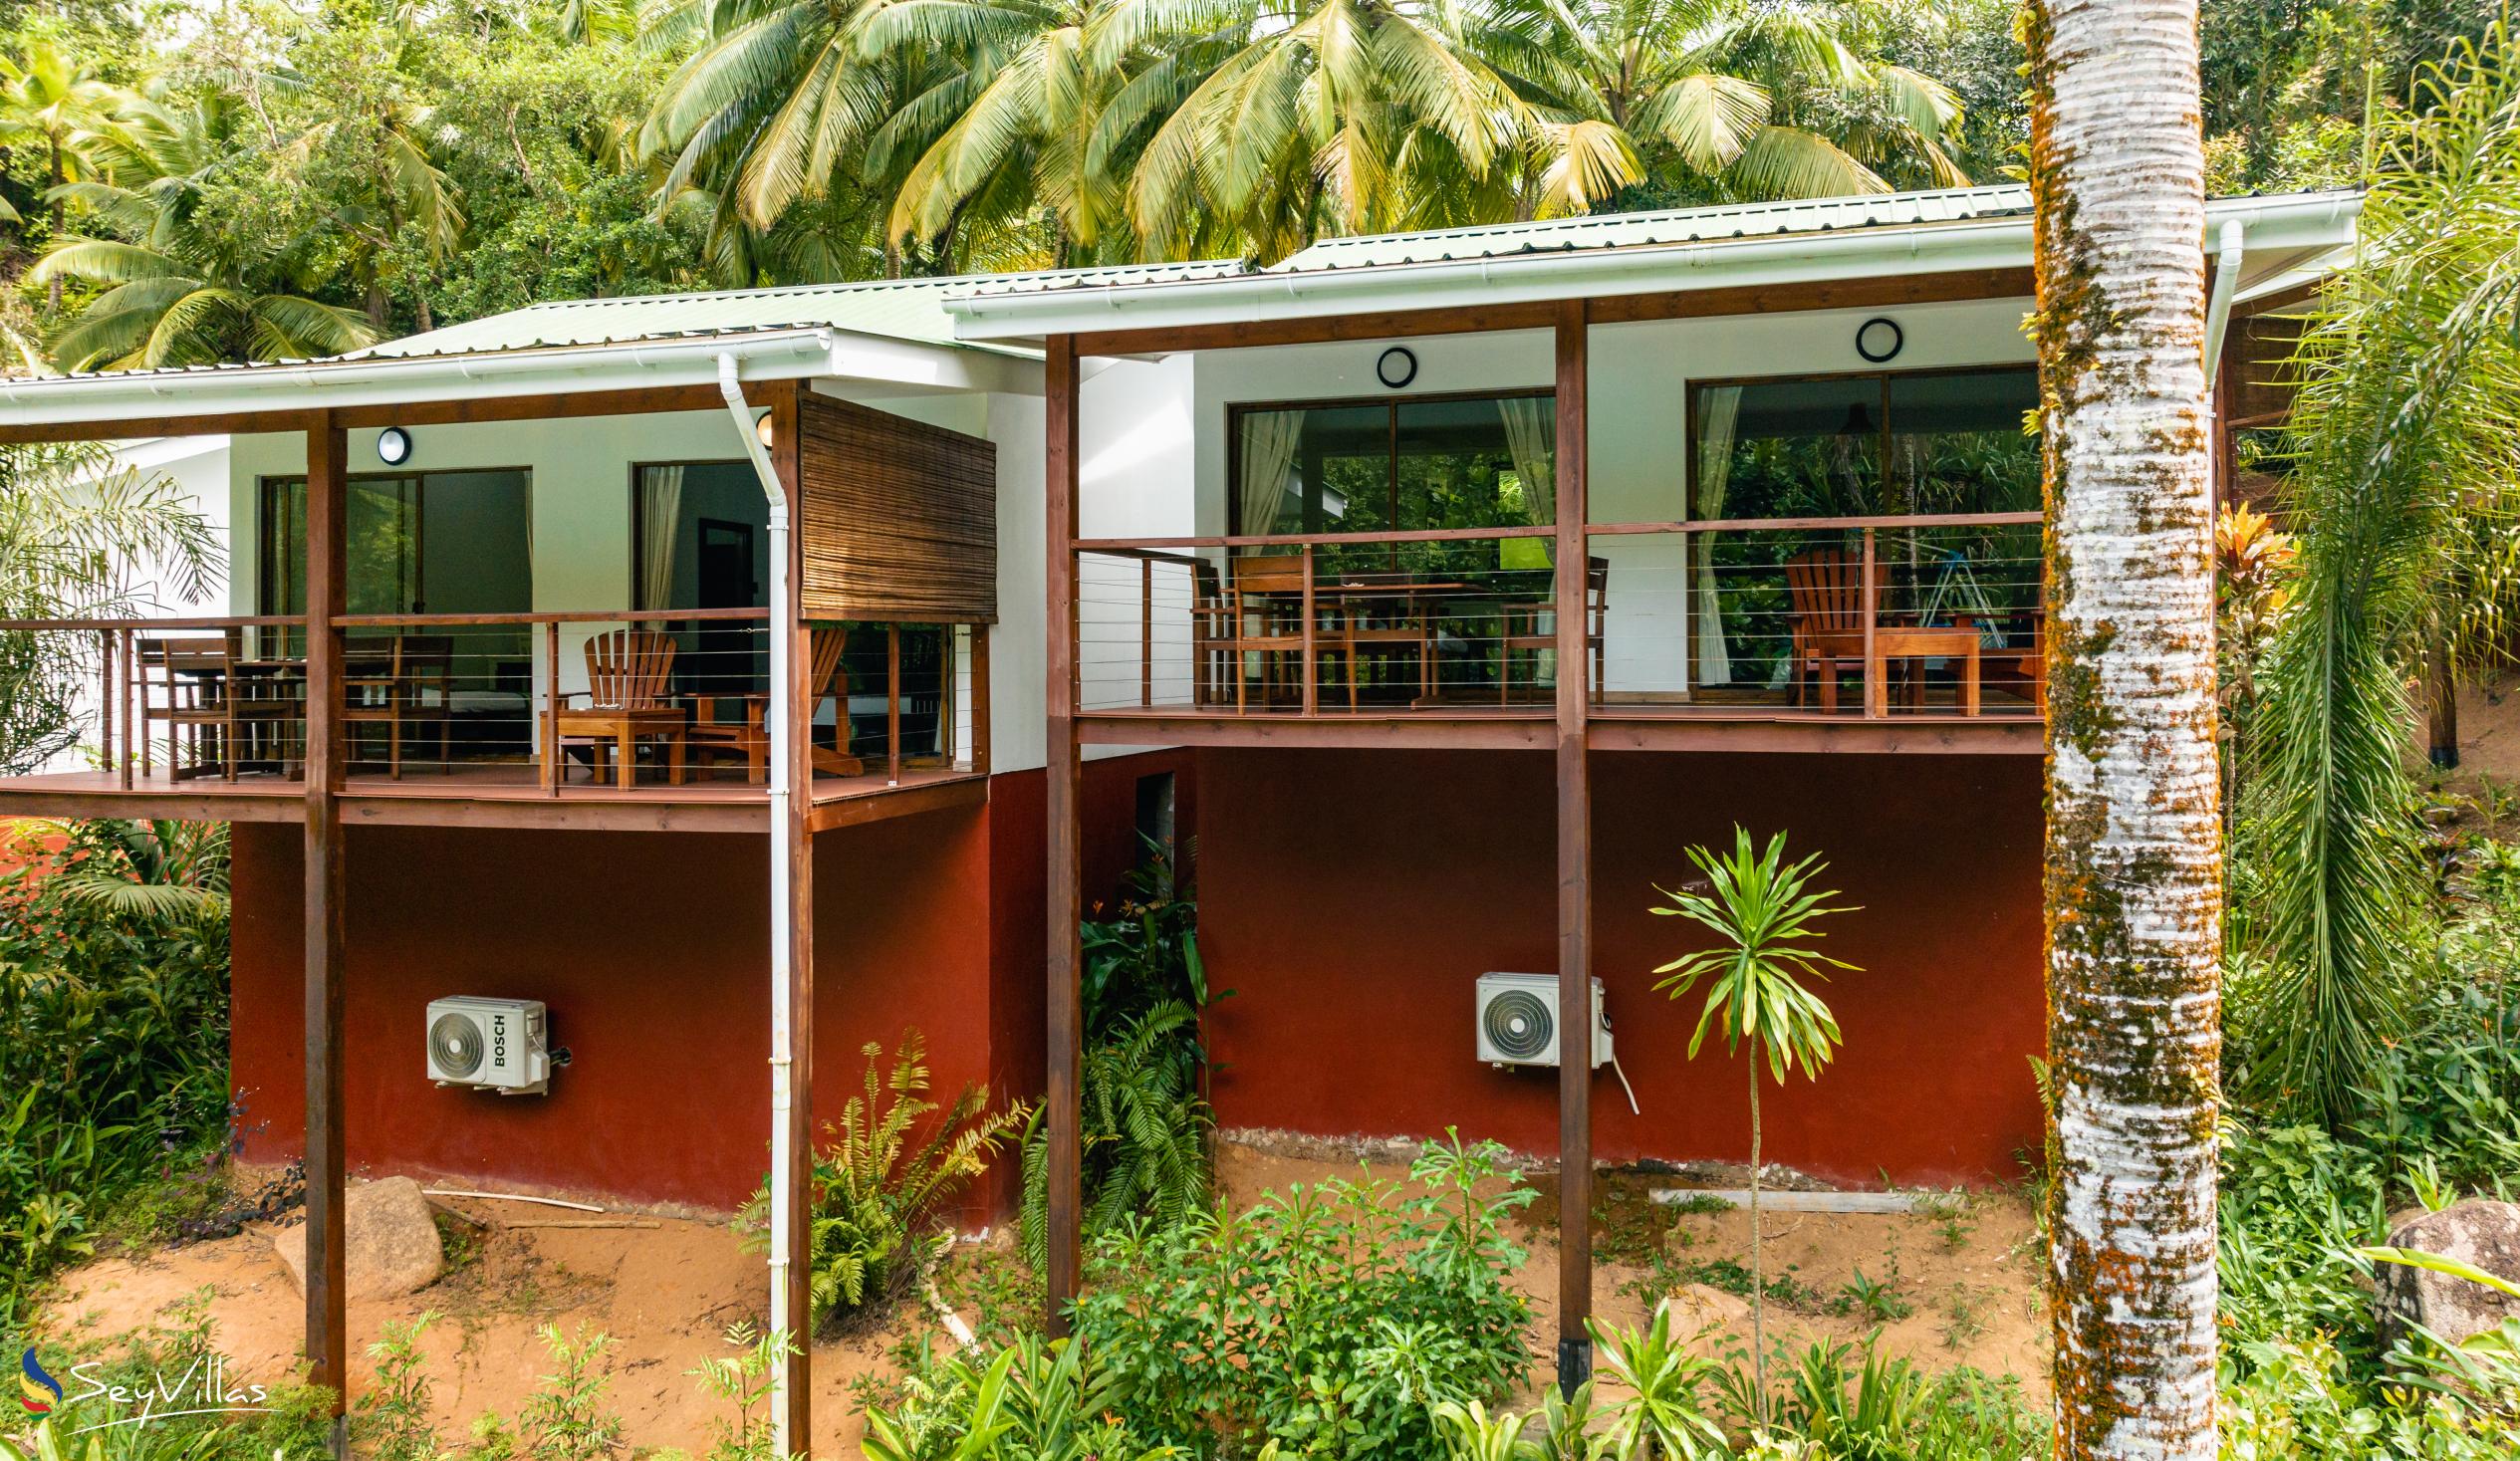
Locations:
1640 375
580 519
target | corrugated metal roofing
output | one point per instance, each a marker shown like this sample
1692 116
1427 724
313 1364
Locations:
1108 276
1667 226
907 308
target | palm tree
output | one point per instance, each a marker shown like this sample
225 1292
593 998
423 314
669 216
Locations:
150 872
49 99
2404 446
180 288
1057 96
1330 116
1761 908
2133 847
81 539
1723 98
776 100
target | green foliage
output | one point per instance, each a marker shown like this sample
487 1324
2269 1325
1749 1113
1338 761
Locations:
1144 1124
113 1057
75 535
2404 441
876 1190
743 1381
567 1420
393 1418
1329 1317
1761 911
1033 1400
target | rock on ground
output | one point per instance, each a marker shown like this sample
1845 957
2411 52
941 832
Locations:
392 1247
2478 1232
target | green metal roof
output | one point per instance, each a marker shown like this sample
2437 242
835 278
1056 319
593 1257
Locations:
909 310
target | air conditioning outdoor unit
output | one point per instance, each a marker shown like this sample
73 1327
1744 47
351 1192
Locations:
501 1045
1518 1020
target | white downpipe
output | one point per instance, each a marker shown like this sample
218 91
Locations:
782 878
2231 247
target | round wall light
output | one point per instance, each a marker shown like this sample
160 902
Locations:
768 433
1397 367
1878 338
393 446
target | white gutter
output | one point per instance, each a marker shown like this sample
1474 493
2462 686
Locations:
782 878
1763 260
402 380
884 364
2232 247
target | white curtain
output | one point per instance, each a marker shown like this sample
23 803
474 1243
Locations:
1718 408
1269 442
661 526
1531 435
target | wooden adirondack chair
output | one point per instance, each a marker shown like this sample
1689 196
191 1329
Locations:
1826 589
625 702
737 726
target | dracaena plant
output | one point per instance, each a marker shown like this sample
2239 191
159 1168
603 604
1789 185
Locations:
1754 982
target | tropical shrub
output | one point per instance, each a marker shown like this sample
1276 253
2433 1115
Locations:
878 1188
1329 1317
1033 1400
113 1047
1144 1124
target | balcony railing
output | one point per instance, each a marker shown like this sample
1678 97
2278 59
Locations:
1869 617
666 702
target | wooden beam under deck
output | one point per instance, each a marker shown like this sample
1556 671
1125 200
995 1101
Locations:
416 804
1605 730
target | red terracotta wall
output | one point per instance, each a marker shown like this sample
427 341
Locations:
1353 898
650 949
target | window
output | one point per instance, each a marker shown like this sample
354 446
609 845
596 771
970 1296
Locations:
1404 464
1939 441
426 543
1928 443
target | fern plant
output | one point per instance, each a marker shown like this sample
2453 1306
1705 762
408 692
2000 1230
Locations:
877 1187
1144 1121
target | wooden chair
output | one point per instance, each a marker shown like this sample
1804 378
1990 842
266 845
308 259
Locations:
2023 661
1265 616
198 695
1827 593
1533 627
1213 657
737 726
408 679
627 700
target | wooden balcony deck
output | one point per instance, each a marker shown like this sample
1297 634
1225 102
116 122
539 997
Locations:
2003 728
490 795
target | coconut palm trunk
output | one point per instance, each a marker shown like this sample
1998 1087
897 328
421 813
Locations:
2133 854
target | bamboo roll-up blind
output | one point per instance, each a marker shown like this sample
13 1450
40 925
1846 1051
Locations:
900 518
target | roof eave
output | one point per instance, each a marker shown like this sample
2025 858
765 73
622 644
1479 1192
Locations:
808 353
1771 260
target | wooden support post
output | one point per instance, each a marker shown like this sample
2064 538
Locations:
552 771
1146 631
1311 667
326 598
1067 1018
980 698
893 704
1876 693
1575 868
786 419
